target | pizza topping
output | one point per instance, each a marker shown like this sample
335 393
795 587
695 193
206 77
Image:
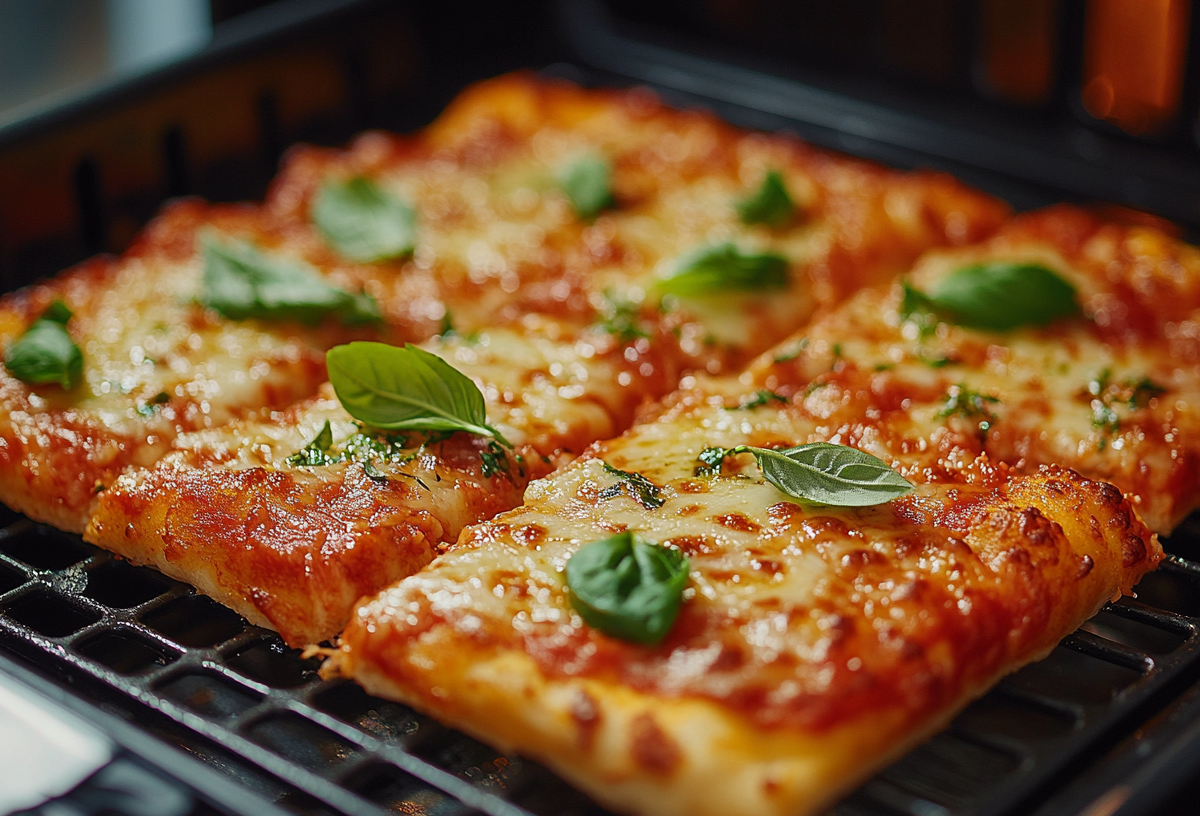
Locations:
962 401
818 473
770 204
153 405
240 282
587 181
627 587
1104 396
620 318
996 295
362 222
725 268
316 452
406 389
642 490
46 353
761 397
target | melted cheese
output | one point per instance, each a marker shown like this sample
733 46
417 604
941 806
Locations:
155 364
280 542
814 642
1115 399
497 236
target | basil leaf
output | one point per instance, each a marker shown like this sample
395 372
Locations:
362 222
45 353
820 473
316 452
644 492
588 184
770 204
725 268
240 282
628 588
997 295
406 389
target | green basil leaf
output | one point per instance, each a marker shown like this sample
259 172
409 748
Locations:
628 588
45 353
725 268
588 184
820 473
770 204
240 282
406 389
362 222
316 452
644 492
997 295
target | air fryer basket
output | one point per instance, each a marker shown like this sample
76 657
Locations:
1108 723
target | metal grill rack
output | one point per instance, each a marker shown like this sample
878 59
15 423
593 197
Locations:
191 672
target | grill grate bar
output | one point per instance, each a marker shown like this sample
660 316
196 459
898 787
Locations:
1109 651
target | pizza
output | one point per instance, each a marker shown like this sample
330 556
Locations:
1113 393
813 645
471 238
291 540
153 362
500 236
580 266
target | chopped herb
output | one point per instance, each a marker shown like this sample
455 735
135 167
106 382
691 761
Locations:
316 452
620 318
638 487
1142 391
962 401
711 460
929 359
494 459
761 398
793 351
1105 396
150 407
770 204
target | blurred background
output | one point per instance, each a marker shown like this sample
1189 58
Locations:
1130 64
51 48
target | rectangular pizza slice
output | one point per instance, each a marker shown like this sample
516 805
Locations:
290 518
107 363
537 196
813 643
970 345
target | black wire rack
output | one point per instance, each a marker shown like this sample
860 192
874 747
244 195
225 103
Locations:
231 695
